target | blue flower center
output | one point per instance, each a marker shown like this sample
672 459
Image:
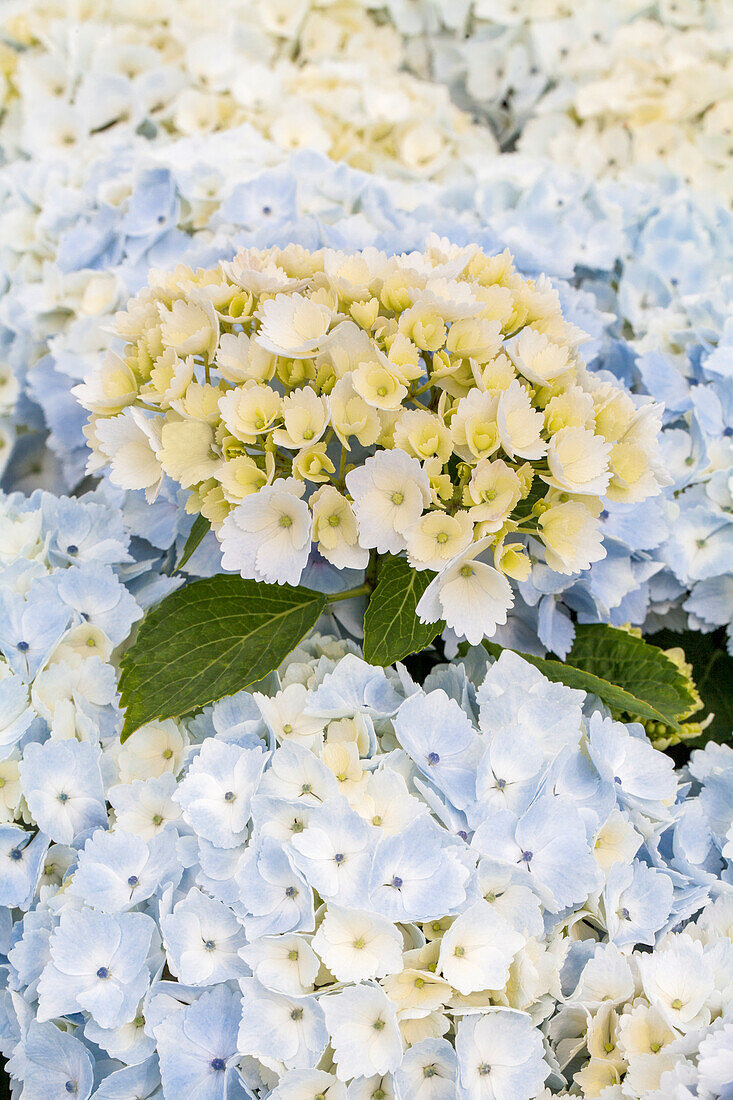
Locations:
527 856
16 854
72 549
433 758
290 892
229 796
133 880
71 1086
218 1064
103 972
339 857
62 797
23 647
397 882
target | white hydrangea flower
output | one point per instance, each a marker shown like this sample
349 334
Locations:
469 594
362 1023
357 946
390 491
268 536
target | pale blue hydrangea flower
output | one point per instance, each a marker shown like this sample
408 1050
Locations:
82 531
441 740
548 845
352 687
291 1029
31 626
500 1054
98 597
642 777
63 787
197 1046
99 963
637 901
202 938
216 793
416 875
295 775
277 896
118 871
21 859
52 1064
334 853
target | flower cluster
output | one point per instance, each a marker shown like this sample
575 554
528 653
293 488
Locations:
81 77
659 262
77 241
655 260
347 885
432 402
608 88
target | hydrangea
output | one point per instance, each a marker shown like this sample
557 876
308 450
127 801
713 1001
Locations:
632 87
398 927
654 258
252 383
307 75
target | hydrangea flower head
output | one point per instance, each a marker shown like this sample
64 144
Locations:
397 409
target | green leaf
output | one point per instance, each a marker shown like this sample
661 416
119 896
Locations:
211 639
392 630
635 665
627 673
196 535
712 670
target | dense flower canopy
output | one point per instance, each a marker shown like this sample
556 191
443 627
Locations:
341 880
423 307
609 88
81 76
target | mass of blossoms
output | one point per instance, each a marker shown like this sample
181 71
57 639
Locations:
609 88
433 402
77 76
341 883
366 406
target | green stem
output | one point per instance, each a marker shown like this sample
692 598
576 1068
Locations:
421 389
342 464
372 569
349 594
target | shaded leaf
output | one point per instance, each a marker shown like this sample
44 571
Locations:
712 670
392 630
196 535
211 639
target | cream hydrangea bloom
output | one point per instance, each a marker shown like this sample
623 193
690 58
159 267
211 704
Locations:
110 70
433 403
357 946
